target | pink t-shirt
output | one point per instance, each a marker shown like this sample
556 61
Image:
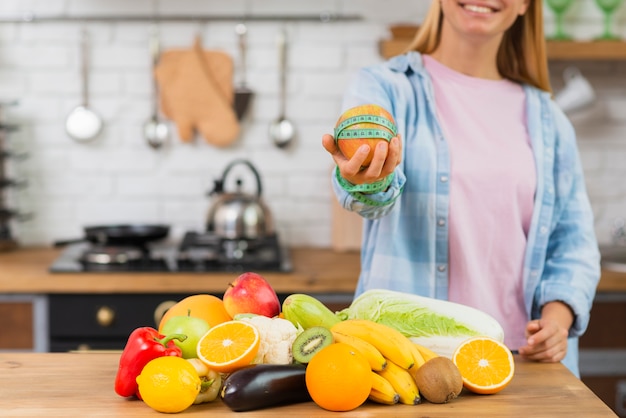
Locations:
492 186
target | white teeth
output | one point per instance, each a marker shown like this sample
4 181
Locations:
477 9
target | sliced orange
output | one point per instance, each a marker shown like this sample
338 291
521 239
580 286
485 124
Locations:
229 346
486 364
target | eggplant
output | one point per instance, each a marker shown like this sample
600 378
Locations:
264 386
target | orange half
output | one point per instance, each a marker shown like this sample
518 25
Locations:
486 364
229 346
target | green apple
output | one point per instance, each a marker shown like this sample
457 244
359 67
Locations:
194 328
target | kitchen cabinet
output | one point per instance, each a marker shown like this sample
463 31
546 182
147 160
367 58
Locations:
74 311
603 351
23 323
104 321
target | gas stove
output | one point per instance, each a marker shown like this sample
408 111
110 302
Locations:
200 252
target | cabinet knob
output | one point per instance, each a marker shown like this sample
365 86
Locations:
105 316
161 309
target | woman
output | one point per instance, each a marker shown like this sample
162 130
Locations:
484 200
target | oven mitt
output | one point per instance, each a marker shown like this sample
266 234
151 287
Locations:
197 94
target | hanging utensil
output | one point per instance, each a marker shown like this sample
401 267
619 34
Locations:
282 130
155 131
243 94
83 124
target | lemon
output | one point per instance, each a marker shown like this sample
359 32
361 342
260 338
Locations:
169 384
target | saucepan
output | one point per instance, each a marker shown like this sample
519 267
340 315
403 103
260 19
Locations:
121 234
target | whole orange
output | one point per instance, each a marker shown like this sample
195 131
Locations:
207 307
338 378
365 124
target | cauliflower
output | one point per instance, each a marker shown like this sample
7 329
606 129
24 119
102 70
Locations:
277 336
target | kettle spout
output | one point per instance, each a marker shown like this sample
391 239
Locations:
218 187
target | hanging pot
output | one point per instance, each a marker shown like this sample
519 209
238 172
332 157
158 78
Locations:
237 215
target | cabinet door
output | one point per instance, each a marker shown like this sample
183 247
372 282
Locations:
16 326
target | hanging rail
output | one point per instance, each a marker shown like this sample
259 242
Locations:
324 17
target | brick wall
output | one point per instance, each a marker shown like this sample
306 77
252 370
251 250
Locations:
118 178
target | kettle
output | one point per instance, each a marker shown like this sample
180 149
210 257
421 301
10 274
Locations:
236 215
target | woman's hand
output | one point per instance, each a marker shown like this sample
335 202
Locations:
547 337
386 158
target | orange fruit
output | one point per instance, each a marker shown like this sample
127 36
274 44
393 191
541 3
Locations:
486 364
338 378
229 346
365 124
207 307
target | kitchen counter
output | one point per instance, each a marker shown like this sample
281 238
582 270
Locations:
81 384
315 270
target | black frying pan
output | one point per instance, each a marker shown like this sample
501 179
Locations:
123 234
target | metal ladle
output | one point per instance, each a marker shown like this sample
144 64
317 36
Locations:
83 124
155 131
282 130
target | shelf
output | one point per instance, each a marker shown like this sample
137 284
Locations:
323 17
587 50
557 50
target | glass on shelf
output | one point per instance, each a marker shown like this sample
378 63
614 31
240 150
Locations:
608 7
559 7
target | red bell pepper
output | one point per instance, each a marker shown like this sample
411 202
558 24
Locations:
143 345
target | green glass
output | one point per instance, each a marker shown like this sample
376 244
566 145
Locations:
608 7
559 7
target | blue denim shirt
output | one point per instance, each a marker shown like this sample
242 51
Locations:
405 239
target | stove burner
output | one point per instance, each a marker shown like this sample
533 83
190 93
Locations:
207 251
112 255
198 252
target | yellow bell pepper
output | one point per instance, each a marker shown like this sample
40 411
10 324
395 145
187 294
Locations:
211 382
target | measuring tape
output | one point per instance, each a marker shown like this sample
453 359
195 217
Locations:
341 131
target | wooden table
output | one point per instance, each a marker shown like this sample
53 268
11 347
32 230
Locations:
81 385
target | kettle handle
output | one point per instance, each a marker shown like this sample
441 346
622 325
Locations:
251 167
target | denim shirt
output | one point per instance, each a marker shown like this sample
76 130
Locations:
405 235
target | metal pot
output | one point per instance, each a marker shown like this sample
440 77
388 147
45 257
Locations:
237 215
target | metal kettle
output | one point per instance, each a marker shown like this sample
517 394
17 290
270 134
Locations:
237 215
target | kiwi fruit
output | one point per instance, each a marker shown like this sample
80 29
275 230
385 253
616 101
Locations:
439 380
309 342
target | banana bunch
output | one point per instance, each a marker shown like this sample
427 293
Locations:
390 354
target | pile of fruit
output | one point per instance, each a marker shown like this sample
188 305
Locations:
252 352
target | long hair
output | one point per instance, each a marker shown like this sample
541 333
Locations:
522 53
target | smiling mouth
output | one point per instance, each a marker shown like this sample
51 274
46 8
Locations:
478 9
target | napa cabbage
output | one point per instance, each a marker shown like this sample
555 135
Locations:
437 324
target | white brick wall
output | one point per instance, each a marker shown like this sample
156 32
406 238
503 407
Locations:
120 179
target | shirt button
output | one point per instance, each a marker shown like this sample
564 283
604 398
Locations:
441 222
443 179
534 273
441 267
543 230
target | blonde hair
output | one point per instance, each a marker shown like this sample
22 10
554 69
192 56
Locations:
522 54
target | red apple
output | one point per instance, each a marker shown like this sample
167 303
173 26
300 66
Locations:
372 120
251 293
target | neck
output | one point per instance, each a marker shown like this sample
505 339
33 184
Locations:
469 56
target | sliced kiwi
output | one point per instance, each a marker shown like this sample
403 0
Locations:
309 342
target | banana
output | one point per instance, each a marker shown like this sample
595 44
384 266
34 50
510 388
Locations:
418 358
403 383
426 352
389 341
376 360
382 391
